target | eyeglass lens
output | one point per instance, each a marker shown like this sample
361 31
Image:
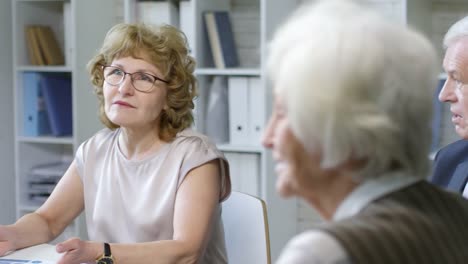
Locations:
141 81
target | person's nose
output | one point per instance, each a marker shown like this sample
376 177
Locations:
447 93
126 86
267 137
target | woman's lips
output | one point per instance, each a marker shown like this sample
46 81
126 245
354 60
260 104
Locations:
122 103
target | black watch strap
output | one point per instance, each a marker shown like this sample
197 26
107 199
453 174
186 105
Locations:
107 257
107 250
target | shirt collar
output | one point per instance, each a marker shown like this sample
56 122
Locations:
370 190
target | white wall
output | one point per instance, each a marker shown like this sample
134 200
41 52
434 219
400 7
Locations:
7 182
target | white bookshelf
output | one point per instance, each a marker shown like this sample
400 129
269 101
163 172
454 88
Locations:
79 38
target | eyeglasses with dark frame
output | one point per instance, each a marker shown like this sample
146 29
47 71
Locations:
141 81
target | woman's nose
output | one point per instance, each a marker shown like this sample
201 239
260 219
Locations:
126 86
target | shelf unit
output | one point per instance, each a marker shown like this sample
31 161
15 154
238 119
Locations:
260 180
7 214
71 21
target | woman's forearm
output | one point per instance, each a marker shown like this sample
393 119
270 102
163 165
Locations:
161 252
31 229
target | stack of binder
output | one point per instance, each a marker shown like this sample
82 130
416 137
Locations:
35 118
246 102
42 180
47 104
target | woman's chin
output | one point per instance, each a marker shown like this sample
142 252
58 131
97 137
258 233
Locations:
121 122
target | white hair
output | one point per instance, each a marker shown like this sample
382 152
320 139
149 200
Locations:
456 31
356 87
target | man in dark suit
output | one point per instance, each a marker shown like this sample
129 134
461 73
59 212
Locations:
451 163
451 167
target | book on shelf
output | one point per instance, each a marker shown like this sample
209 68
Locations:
57 93
47 173
35 117
217 122
256 105
43 178
38 197
246 104
238 94
52 53
34 51
221 39
43 47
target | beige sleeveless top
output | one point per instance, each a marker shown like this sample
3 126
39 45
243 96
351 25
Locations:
133 201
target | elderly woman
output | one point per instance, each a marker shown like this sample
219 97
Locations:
350 135
150 187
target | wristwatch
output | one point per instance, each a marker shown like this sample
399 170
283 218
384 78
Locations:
107 257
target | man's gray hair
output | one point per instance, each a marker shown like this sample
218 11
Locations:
456 31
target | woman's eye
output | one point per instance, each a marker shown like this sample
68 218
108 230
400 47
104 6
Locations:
143 77
116 72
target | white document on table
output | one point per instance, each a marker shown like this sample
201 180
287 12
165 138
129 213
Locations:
39 254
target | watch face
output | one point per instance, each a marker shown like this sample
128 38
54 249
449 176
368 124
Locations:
105 260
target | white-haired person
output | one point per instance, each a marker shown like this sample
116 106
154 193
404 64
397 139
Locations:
451 162
350 135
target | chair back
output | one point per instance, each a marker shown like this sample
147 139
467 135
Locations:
246 229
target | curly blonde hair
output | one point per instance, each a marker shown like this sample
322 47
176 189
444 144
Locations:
166 47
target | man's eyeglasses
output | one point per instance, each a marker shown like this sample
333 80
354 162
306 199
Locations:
141 81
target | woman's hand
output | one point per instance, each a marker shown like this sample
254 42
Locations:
77 251
6 240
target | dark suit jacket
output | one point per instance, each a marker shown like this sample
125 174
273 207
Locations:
450 169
